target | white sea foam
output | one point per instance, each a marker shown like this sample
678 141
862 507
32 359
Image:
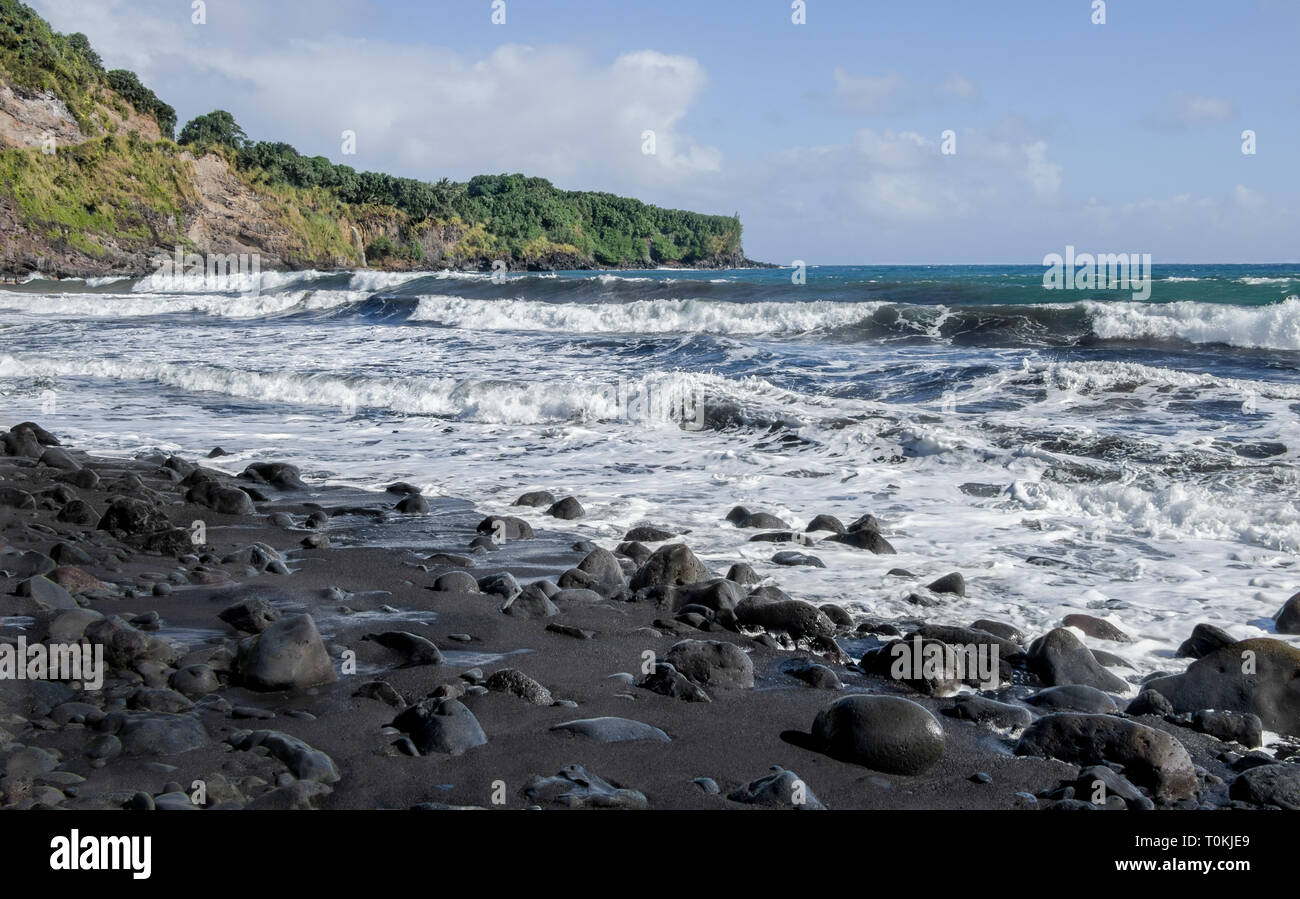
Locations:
1276 326
640 316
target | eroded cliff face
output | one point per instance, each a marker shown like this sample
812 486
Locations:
109 197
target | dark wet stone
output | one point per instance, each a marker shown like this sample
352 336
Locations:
668 681
712 663
780 789
1059 658
1097 628
885 733
1151 758
567 509
441 725
613 730
576 787
671 565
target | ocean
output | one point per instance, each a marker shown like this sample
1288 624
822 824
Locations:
1067 451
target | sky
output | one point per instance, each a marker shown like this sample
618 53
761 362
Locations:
827 137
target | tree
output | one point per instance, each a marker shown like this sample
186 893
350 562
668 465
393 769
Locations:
81 44
217 127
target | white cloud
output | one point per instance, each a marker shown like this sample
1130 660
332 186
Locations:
424 111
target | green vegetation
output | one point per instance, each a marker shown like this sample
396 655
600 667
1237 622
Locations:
133 191
121 192
35 57
525 218
128 87
217 127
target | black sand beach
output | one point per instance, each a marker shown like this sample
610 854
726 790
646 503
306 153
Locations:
387 674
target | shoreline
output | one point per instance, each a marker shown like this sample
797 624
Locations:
192 697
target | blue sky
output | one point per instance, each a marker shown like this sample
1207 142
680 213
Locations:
825 137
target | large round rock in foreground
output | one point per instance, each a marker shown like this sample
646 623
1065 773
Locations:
887 733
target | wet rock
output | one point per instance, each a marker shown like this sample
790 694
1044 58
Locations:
671 565
79 512
602 565
1098 628
415 650
536 499
532 602
456 582
1220 680
515 683
780 789
567 509
1277 785
744 574
1231 727
279 475
123 644
885 733
195 680
252 616
865 539
441 725
152 734
796 617
413 504
797 559
288 655
1059 658
613 730
711 663
383 691
151 699
502 584
952 583
1205 639
220 499
505 527
813 674
982 710
649 533
27 762
668 681
762 521
636 553
57 457
450 560
1288 617
70 626
1074 698
576 787
1112 783
1149 702
1151 758
48 595
826 523
304 762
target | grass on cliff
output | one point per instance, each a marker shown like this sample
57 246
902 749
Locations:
123 190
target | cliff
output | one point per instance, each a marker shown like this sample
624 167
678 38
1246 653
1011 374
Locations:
92 183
